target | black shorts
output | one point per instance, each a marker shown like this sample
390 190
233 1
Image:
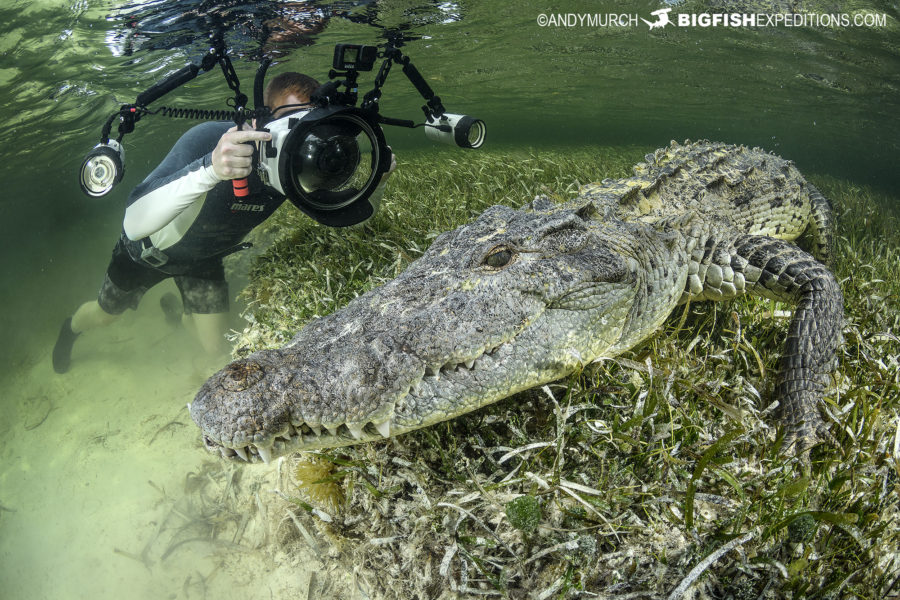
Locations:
203 287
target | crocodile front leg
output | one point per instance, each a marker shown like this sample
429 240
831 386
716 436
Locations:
781 271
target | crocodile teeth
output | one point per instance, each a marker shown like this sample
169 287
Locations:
242 452
384 428
316 429
332 430
356 431
470 363
264 453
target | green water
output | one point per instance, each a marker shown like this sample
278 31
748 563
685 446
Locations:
828 98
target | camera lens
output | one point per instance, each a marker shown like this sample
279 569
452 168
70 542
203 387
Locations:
332 162
327 161
329 164
475 134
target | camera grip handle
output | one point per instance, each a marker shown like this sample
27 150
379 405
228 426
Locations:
241 187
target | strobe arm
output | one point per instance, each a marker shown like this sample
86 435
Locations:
130 113
217 54
460 130
259 84
433 107
160 89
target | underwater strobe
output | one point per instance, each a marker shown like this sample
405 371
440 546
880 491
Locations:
462 130
327 156
103 168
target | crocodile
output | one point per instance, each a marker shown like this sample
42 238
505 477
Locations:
519 298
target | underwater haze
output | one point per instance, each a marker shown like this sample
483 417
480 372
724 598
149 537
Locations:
105 490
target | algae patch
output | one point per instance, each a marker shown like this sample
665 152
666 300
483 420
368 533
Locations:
318 481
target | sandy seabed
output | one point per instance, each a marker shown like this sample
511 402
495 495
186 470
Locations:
106 492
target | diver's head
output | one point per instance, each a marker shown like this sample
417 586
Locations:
289 92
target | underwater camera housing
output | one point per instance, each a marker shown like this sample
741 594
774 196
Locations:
327 161
328 157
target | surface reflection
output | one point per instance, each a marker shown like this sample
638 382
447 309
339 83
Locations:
268 28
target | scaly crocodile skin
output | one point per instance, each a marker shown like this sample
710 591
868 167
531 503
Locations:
518 298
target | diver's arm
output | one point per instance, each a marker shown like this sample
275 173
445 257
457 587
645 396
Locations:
156 208
169 190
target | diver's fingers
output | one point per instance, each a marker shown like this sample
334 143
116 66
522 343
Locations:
247 135
232 157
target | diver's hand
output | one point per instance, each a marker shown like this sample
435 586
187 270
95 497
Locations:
393 161
232 157
393 166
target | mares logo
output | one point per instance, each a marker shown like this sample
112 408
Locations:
240 207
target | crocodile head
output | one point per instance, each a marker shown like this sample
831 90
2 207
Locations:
510 301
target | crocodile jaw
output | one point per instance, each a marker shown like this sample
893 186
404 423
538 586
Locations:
428 396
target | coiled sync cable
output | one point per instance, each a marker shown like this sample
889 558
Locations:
208 115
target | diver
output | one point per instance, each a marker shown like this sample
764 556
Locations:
183 219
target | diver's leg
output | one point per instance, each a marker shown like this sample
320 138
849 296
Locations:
88 316
123 286
209 330
204 295
91 315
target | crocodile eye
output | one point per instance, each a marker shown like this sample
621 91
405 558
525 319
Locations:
498 257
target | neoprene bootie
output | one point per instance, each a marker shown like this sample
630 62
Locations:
170 308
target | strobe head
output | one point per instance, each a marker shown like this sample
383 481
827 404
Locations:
102 168
328 162
461 130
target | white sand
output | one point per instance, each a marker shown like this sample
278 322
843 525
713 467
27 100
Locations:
106 491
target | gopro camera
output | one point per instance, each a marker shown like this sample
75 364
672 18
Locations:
354 57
